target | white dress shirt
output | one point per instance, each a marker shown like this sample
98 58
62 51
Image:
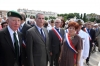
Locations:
11 34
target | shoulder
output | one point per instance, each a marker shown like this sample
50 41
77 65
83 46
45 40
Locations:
77 37
4 30
31 29
84 33
27 25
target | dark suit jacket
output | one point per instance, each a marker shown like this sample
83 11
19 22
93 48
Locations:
23 31
37 48
92 34
55 44
7 52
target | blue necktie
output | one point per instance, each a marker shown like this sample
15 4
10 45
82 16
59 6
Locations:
42 34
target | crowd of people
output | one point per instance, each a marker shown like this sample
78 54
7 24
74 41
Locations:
37 42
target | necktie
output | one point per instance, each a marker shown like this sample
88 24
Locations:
16 45
42 34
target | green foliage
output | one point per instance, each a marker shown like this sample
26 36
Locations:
77 15
98 20
50 17
92 19
84 18
81 17
70 15
46 18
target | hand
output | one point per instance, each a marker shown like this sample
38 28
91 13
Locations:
59 59
51 53
93 43
96 37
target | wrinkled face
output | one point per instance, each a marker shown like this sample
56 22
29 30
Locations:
14 23
71 30
57 23
40 20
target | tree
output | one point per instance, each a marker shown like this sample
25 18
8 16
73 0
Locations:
84 18
70 15
34 17
98 20
92 19
77 15
46 18
81 17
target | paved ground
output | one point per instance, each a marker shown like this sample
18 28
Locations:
94 59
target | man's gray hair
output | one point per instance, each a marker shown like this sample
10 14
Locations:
38 14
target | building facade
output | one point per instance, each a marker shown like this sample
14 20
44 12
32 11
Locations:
34 12
3 13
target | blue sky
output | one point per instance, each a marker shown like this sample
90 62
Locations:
58 6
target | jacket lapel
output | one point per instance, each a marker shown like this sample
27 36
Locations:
8 38
37 32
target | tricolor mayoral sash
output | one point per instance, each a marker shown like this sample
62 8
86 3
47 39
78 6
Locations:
23 44
69 43
88 33
57 34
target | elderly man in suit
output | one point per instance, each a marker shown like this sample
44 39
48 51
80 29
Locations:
56 35
23 28
10 41
37 43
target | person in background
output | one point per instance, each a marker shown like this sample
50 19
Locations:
91 34
4 24
85 40
71 49
97 36
56 35
23 28
32 22
62 23
45 24
50 25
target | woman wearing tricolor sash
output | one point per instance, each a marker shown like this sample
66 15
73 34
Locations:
71 48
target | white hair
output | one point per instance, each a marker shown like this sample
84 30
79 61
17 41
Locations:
57 19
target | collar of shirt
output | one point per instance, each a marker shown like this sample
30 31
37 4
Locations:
58 28
11 34
39 30
22 24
